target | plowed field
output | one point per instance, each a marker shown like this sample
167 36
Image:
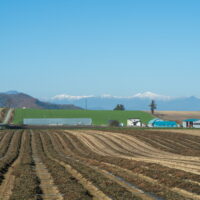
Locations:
97 164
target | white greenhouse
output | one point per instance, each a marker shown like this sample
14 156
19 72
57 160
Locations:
58 121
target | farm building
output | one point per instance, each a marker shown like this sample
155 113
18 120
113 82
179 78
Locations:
58 121
134 122
191 123
158 123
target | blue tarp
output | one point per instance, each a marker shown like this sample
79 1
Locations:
191 120
165 124
154 120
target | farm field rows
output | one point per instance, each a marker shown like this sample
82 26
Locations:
99 165
98 117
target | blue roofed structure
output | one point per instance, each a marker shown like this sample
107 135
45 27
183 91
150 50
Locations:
165 124
191 120
151 122
159 123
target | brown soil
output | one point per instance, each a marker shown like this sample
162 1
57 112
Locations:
183 131
140 150
101 166
49 189
9 178
97 194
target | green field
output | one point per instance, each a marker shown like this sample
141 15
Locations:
99 117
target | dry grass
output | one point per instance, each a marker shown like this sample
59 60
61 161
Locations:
177 115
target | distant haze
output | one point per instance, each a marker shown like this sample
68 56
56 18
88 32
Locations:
138 101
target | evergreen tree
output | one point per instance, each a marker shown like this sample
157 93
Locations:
119 107
152 106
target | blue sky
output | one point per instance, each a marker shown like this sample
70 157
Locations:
83 47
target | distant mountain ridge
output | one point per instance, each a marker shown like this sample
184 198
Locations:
16 99
138 101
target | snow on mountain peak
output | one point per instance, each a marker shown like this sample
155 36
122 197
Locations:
70 97
145 95
151 95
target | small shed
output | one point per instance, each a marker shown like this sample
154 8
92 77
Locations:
134 123
191 123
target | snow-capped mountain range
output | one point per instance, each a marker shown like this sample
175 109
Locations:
138 101
145 95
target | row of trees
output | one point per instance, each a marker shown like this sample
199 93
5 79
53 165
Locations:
152 106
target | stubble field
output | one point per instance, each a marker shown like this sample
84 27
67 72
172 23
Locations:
97 164
178 116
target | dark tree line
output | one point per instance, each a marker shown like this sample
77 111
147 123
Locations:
119 107
152 106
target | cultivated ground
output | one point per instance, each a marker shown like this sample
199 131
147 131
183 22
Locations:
177 115
99 117
99 164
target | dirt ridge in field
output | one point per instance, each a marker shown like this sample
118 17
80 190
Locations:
97 194
49 189
186 163
90 162
126 185
141 176
9 178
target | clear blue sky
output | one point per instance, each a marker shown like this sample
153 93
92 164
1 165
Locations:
117 47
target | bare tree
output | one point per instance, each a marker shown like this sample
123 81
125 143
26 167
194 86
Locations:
153 106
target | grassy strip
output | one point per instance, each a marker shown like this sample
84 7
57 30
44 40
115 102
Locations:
11 155
67 185
109 187
158 172
26 184
98 117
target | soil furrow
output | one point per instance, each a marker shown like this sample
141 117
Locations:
49 189
130 173
7 185
96 193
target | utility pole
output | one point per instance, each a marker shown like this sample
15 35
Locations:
86 104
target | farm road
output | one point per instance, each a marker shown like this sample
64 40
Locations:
8 116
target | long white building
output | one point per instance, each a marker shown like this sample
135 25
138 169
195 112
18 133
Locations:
58 121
